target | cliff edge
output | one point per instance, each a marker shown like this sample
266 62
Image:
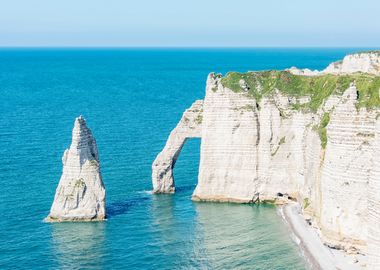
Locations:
293 135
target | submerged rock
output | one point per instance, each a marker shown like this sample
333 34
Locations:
80 195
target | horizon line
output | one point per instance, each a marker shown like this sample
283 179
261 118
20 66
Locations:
182 47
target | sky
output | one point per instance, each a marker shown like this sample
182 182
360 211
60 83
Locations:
191 23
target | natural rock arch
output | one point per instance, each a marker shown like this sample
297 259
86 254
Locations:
190 126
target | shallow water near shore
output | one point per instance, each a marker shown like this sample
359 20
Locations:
131 98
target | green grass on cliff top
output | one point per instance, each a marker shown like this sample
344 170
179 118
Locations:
318 88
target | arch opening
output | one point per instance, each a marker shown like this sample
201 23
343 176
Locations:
190 126
185 171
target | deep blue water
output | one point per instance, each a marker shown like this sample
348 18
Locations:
131 100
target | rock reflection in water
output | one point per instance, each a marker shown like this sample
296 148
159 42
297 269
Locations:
79 245
177 236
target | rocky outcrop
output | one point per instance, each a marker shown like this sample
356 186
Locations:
267 144
304 72
80 195
359 62
190 126
368 62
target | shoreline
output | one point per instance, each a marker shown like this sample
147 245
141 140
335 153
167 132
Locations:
317 255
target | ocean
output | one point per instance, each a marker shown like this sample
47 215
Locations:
131 99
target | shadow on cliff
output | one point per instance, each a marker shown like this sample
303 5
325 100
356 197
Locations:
121 207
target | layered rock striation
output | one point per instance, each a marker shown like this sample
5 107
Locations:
80 195
190 126
374 205
299 135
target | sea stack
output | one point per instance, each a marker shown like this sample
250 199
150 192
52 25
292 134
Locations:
80 195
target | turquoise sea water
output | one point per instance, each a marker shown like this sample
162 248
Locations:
131 100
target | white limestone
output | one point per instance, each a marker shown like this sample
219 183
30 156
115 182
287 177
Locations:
229 136
317 255
250 154
266 151
188 127
345 174
80 195
305 71
358 62
374 206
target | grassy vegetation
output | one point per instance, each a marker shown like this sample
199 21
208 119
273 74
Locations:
370 51
199 119
282 141
268 201
322 131
367 135
318 88
368 87
306 203
275 151
79 183
94 163
247 107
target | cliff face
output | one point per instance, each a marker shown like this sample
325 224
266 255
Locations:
374 205
228 152
278 136
80 195
345 172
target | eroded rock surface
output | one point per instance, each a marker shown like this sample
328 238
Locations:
367 62
270 146
189 126
374 206
358 62
80 195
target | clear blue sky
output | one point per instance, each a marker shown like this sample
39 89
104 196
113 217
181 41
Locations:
347 23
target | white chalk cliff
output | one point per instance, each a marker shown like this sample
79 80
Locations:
274 148
374 205
359 62
80 195
367 62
